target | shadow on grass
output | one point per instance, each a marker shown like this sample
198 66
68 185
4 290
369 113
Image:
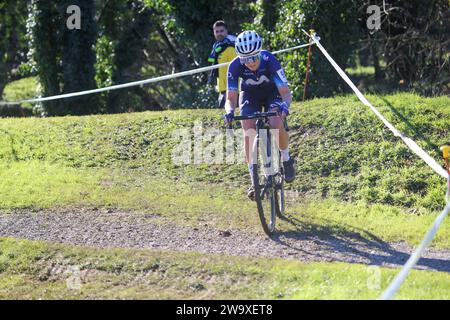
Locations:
415 131
345 243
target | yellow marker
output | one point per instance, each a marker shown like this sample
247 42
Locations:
446 151
312 31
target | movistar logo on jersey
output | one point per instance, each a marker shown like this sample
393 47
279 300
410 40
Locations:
261 80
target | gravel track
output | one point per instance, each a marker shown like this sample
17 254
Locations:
113 228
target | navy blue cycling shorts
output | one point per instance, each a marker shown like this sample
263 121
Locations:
250 102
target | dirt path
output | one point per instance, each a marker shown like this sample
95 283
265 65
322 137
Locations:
101 228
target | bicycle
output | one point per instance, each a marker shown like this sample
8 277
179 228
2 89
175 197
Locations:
268 175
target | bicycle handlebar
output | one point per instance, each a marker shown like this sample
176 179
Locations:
259 115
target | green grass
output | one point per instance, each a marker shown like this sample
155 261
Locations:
37 270
354 176
361 70
34 184
343 150
348 164
21 89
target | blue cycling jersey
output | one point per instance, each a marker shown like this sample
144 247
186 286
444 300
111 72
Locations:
268 77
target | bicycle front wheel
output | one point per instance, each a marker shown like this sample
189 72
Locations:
279 195
264 184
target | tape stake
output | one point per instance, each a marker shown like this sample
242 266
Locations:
446 155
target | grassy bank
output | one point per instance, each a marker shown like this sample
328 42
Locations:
354 176
351 170
34 185
343 150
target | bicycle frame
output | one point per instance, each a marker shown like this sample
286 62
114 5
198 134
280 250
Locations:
271 191
264 125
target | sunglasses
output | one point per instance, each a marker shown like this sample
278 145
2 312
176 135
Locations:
250 59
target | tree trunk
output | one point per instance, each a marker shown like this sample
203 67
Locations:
375 59
46 40
128 60
270 16
79 59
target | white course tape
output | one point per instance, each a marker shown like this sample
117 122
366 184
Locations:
138 83
293 48
395 285
408 141
401 276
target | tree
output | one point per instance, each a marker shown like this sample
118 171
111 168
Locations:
13 45
133 39
45 36
269 16
129 55
415 36
64 59
335 22
78 58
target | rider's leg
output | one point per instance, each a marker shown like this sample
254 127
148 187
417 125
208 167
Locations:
283 136
283 144
249 130
249 105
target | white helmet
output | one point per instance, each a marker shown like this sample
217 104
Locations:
248 43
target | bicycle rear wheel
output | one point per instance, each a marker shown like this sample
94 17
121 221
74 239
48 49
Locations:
264 184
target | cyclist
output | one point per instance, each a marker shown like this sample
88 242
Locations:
222 51
263 83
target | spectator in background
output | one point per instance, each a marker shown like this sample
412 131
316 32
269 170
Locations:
222 51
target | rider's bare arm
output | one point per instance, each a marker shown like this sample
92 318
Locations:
285 94
230 104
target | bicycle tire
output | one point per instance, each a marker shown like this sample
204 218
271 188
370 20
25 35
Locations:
279 197
265 193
